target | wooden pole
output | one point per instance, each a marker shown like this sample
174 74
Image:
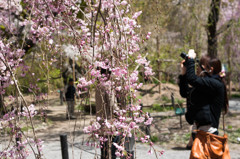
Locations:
64 146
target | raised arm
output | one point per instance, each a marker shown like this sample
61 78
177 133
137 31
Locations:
206 83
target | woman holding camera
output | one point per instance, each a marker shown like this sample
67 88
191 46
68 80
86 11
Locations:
207 95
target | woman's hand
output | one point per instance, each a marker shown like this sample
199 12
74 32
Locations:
183 68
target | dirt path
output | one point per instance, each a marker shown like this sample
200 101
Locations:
166 128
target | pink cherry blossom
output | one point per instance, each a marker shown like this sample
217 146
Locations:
149 121
124 3
137 14
115 47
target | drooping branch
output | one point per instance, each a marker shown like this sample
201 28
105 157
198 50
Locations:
224 27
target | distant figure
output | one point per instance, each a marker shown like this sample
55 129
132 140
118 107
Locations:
70 92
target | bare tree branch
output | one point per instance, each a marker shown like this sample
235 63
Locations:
225 26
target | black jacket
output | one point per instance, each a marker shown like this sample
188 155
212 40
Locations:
70 93
205 98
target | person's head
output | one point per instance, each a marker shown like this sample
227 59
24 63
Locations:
70 81
210 65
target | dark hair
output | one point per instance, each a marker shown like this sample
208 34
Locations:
70 80
214 62
209 62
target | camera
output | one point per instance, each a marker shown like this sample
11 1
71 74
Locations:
184 55
191 54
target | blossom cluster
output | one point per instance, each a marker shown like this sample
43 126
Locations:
9 61
123 126
106 38
18 149
28 112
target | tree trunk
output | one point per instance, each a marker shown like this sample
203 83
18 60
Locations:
212 27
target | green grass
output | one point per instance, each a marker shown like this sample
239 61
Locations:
235 95
7 130
160 108
229 126
166 99
154 138
233 136
155 81
186 137
163 81
180 101
26 128
149 110
182 138
139 97
80 107
157 108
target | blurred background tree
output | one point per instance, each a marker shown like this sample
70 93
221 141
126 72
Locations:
208 27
